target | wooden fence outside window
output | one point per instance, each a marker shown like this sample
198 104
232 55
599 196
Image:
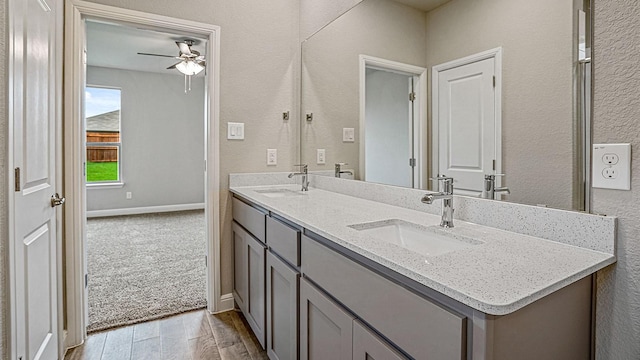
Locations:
103 146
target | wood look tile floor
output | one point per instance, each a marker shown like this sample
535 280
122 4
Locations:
195 335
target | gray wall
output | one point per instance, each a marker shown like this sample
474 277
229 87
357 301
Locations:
617 111
317 14
4 236
162 136
330 74
537 93
259 69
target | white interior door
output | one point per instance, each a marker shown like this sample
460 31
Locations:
466 120
388 128
34 241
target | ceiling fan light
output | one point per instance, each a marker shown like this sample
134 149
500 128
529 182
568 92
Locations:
189 67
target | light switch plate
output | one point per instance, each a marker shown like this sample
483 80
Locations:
611 166
320 157
272 157
348 135
235 131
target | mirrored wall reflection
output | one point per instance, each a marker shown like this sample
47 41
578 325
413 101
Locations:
465 89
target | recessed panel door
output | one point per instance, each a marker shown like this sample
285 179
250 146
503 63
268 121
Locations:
467 124
34 242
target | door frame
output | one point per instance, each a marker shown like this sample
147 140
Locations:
495 54
74 79
419 107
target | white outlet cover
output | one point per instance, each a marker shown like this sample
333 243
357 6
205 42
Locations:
611 166
235 131
320 157
348 135
272 157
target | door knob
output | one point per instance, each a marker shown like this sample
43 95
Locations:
56 200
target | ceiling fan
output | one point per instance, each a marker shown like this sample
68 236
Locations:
191 62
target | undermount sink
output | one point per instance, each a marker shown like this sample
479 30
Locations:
425 240
276 193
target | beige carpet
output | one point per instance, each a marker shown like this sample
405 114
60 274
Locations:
144 267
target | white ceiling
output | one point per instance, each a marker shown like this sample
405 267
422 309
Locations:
116 46
424 5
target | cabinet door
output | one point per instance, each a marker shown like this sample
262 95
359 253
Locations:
256 304
367 345
282 310
240 266
325 328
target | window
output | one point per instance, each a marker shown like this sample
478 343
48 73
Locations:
102 125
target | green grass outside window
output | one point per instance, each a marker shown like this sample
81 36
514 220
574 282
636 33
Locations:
102 171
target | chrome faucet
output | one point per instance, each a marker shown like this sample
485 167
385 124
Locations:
489 189
340 171
446 195
304 173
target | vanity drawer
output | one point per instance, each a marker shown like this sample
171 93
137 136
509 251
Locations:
412 322
251 218
284 240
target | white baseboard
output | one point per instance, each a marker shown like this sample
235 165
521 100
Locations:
144 210
226 303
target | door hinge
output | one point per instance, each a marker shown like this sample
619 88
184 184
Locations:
494 81
16 177
412 96
494 165
412 162
84 169
205 261
86 280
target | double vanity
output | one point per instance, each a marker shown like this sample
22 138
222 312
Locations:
354 270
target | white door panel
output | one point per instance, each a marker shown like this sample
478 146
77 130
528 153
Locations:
388 128
467 124
34 241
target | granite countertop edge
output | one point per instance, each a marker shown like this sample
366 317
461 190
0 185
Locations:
404 261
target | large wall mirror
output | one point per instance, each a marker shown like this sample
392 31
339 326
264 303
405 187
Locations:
403 91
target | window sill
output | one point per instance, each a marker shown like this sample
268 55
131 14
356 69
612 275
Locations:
111 185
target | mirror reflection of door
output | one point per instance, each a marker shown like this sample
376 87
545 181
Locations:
465 113
389 128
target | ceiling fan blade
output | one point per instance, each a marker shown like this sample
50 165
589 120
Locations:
160 55
173 66
184 48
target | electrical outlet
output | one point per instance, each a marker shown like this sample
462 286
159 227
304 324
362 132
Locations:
610 158
348 135
129 196
610 173
272 156
611 168
320 157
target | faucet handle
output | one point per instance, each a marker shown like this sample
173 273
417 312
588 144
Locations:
444 178
447 183
302 166
341 164
492 176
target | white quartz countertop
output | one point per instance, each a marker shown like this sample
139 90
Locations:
504 273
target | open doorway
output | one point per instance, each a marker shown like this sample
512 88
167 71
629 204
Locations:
392 121
77 77
145 235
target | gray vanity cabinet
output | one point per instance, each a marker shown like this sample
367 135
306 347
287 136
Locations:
283 259
249 280
249 254
282 309
368 345
326 328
